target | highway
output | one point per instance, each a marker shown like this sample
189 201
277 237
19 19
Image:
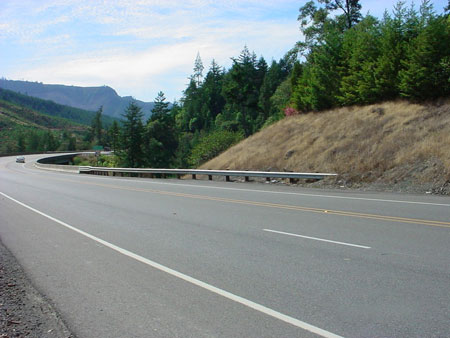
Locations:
129 257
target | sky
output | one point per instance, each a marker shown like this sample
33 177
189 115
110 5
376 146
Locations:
141 47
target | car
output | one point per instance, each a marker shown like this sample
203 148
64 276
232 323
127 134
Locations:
20 159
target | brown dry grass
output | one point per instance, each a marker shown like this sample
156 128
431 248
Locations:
376 142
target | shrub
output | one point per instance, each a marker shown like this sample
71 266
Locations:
212 145
289 111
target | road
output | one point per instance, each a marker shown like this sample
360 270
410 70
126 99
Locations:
128 257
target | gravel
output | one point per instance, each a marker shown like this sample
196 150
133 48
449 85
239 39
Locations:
24 312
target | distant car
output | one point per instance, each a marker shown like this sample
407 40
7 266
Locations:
20 159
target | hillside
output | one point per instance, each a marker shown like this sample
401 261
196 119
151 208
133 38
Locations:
12 115
51 108
391 146
23 129
87 98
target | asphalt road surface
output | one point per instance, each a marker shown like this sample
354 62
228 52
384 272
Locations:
128 257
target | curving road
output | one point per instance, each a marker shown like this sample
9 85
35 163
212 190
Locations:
121 257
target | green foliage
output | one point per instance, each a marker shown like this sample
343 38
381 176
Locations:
344 60
160 136
51 108
25 130
21 144
281 97
109 161
360 60
97 128
131 150
113 136
212 145
318 86
426 67
392 43
241 90
275 75
360 53
84 161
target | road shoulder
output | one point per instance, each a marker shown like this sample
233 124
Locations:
23 310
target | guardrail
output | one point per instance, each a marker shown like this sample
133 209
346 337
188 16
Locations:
292 176
58 167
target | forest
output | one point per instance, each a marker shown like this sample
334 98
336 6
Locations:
344 59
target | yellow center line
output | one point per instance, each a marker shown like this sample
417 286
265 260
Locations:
272 205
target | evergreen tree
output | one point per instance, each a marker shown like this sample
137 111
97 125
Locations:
97 126
318 86
191 118
274 77
161 107
392 50
160 135
198 70
213 101
360 53
426 70
132 136
114 135
241 90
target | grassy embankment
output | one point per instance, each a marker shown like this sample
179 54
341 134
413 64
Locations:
392 145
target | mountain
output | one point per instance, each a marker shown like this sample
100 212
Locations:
23 129
88 98
50 108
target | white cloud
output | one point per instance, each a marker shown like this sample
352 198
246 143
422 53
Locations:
138 47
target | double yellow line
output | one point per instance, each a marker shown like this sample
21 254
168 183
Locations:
274 205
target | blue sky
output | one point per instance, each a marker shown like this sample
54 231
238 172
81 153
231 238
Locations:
141 47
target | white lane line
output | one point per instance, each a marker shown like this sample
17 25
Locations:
318 239
255 306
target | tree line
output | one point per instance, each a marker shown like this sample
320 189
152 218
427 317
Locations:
350 59
344 59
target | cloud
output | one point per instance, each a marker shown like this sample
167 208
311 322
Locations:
137 46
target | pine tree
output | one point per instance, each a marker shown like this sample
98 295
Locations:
392 43
114 135
318 86
274 77
426 70
161 107
360 53
198 70
160 139
212 93
131 152
241 90
97 126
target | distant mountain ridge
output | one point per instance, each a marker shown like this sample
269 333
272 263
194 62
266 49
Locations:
53 109
88 98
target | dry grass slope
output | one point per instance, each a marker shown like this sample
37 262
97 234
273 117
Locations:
393 144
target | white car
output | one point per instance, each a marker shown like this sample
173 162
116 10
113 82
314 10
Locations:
20 159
